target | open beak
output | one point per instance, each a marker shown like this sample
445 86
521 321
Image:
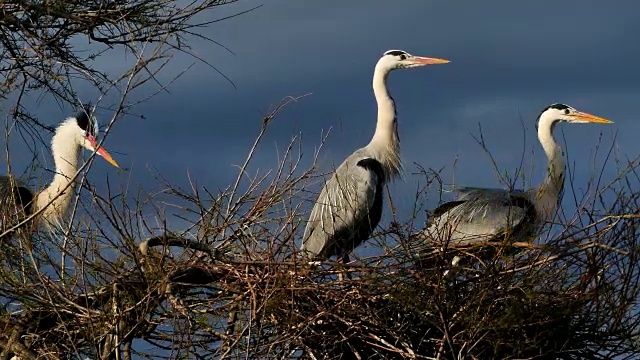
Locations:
101 151
419 60
590 118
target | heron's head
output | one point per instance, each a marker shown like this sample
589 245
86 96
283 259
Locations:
88 130
565 113
398 59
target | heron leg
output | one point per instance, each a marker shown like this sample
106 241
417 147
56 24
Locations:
344 259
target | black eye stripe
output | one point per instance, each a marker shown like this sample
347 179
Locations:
562 107
84 119
403 54
558 107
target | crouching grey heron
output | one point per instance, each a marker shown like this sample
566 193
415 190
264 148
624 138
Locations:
483 215
17 202
349 206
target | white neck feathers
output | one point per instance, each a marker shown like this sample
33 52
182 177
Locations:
66 155
548 193
385 144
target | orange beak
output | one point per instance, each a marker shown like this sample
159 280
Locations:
590 118
101 151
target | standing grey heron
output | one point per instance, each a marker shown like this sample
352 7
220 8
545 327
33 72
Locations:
349 206
483 215
17 202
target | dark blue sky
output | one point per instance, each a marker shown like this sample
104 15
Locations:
509 60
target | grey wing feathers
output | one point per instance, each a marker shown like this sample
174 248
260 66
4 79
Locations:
465 189
481 215
15 201
470 192
341 217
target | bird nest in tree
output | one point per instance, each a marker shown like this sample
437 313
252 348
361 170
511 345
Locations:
571 302
497 313
226 292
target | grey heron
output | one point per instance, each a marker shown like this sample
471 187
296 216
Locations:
18 202
483 215
349 205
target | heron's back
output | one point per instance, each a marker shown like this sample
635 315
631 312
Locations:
483 215
16 202
347 210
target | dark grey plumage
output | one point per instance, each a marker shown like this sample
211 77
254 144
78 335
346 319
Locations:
16 202
480 215
348 208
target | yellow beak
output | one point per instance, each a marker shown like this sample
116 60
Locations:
590 118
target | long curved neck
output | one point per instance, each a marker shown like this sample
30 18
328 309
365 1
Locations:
385 143
56 198
548 193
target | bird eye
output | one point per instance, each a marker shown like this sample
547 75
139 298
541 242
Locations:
403 56
566 111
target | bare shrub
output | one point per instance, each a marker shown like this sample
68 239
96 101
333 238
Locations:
119 281
231 286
